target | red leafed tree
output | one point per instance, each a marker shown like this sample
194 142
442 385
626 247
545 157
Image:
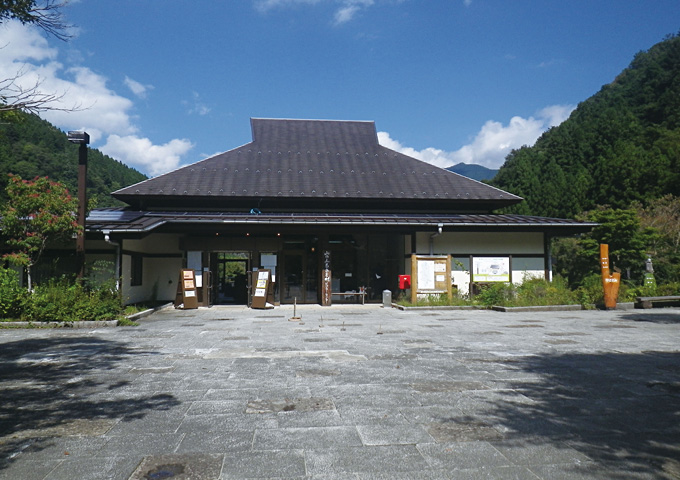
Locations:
38 212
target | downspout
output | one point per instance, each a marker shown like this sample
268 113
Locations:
432 237
108 240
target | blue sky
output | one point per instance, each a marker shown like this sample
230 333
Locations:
164 83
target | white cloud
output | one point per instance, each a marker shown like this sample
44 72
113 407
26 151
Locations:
142 154
196 105
346 11
266 5
139 89
102 112
492 143
349 9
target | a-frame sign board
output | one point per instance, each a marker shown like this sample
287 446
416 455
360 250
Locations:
187 294
262 281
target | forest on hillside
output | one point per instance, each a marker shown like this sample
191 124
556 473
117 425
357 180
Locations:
619 146
615 161
30 147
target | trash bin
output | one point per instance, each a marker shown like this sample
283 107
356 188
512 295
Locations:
387 299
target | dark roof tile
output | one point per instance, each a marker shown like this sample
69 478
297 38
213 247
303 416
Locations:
318 159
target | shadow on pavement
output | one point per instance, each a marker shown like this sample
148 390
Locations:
621 410
660 317
61 386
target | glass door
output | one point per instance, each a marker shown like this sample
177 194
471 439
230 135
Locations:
230 281
299 277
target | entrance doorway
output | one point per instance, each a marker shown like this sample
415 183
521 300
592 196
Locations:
230 281
300 277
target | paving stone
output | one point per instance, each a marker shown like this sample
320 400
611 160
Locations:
110 468
216 441
264 464
382 434
371 459
306 438
484 395
180 467
463 455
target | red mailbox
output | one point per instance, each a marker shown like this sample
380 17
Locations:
404 282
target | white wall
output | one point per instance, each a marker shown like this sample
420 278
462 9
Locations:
159 274
476 243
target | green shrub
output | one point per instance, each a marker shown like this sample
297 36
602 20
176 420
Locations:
590 292
501 294
538 291
668 289
12 295
68 301
436 301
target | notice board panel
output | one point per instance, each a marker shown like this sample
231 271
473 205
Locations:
430 275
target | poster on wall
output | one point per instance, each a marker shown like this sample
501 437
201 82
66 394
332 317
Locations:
426 279
491 269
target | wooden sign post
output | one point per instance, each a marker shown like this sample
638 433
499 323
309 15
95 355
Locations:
610 281
326 281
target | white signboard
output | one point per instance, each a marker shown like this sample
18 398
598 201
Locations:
491 269
425 275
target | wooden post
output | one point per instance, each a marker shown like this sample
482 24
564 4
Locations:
326 282
414 278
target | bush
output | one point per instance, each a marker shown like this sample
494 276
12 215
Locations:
67 301
538 291
668 289
501 294
436 301
12 295
590 292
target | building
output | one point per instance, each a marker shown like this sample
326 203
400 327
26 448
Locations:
308 196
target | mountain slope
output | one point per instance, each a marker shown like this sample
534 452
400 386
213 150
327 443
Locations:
476 172
32 147
620 145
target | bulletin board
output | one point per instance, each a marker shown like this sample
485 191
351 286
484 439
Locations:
187 295
491 269
430 275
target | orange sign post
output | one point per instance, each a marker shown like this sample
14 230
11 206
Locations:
610 282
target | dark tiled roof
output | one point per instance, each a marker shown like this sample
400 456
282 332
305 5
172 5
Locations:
294 160
143 222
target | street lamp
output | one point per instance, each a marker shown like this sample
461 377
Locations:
83 139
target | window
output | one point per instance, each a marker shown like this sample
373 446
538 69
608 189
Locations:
136 263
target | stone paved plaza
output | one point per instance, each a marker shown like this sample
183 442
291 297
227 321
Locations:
349 392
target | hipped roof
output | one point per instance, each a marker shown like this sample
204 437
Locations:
314 165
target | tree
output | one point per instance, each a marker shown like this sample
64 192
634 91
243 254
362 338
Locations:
38 212
45 14
629 243
14 94
663 215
